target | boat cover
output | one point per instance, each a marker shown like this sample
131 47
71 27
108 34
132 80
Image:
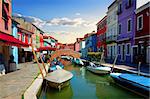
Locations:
59 76
144 81
103 68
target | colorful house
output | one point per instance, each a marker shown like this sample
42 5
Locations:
77 45
141 48
48 43
126 29
15 34
6 38
101 35
111 32
82 48
90 43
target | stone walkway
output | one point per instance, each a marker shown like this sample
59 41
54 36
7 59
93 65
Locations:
14 84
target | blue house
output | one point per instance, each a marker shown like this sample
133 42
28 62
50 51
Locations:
14 50
90 43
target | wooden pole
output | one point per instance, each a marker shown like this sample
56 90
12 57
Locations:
35 57
43 63
101 57
114 63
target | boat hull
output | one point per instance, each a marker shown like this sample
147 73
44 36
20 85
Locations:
97 71
58 85
143 91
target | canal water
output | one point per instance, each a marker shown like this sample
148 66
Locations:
86 85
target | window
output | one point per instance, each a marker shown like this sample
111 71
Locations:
129 2
119 29
19 37
120 8
128 49
129 25
140 22
6 24
29 38
23 37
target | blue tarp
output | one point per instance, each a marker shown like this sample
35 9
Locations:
145 81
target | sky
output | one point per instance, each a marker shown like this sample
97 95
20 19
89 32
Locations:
65 20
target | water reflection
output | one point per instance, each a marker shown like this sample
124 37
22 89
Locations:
86 85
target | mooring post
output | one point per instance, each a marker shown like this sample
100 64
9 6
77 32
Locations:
114 63
43 63
139 66
35 57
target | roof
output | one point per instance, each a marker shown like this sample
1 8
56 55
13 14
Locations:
143 7
46 48
48 36
105 17
112 4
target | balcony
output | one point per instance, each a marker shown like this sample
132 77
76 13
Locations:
111 38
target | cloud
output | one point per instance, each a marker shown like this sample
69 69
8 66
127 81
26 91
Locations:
56 21
66 30
65 21
77 14
37 21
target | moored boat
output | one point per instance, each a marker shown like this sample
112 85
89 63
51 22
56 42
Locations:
59 78
55 65
98 69
77 61
133 82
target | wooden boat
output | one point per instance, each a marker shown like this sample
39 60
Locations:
59 78
98 69
133 82
78 61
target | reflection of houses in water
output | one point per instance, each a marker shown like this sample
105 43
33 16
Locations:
82 71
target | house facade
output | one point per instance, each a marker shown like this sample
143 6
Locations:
101 35
141 48
111 32
126 29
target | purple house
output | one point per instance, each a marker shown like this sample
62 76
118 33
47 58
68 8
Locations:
126 29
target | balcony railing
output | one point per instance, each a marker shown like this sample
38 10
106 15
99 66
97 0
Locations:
111 38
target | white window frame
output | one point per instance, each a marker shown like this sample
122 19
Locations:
128 54
138 22
22 37
29 40
130 27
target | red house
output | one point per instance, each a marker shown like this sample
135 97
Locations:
141 49
101 35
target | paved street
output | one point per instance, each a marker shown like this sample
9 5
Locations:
14 84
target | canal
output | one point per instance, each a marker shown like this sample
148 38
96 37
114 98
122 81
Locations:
86 85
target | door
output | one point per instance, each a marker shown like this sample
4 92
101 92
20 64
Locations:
135 55
123 52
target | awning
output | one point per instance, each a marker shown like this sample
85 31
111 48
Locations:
46 49
9 40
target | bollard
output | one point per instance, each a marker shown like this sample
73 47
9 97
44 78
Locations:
139 66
